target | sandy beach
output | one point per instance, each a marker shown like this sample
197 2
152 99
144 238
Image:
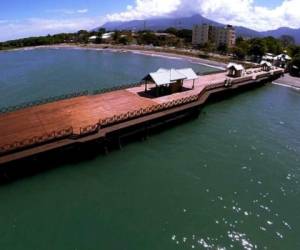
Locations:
289 81
143 50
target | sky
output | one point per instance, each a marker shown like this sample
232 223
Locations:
23 18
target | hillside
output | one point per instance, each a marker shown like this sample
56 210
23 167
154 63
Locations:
188 22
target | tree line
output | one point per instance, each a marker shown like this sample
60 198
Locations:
251 49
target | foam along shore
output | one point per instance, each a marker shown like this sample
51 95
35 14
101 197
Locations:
288 81
142 50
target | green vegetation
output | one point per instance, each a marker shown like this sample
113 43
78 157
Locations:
81 36
255 48
295 66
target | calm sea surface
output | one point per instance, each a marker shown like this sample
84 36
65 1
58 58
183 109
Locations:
228 180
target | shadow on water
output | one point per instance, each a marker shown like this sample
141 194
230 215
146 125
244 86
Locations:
116 141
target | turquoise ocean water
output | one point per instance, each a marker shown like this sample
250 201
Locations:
227 180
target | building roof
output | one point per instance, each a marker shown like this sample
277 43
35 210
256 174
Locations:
237 67
164 34
283 57
266 63
268 56
189 73
107 35
93 37
169 76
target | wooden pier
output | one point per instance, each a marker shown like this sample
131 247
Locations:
39 129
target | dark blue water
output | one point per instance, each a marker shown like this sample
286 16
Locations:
227 180
43 73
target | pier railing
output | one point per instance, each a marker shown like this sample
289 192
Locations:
65 97
42 101
114 88
37 140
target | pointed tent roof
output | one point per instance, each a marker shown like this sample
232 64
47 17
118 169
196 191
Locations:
237 67
189 73
283 57
169 76
266 63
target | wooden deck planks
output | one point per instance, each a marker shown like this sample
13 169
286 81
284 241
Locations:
76 112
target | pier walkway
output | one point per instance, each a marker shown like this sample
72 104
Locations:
83 115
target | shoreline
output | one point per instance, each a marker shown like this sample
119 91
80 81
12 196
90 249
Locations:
136 50
286 85
289 82
286 81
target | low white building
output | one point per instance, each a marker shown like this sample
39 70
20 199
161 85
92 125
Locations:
235 70
282 60
93 38
268 57
266 66
107 36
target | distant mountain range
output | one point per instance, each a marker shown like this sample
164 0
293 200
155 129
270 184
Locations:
188 22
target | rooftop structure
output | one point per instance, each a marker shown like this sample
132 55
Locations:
107 35
266 66
92 38
235 70
172 78
283 57
282 60
160 34
268 57
169 76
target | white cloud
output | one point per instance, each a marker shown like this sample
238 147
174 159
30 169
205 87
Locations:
236 12
68 11
146 9
83 11
37 26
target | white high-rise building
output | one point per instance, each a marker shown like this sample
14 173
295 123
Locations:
205 33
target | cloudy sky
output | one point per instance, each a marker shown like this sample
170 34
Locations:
22 18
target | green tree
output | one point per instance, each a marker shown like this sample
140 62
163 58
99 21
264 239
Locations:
186 35
257 48
117 36
273 45
223 48
294 50
172 31
124 40
83 36
208 47
101 31
295 66
98 40
239 53
149 38
287 41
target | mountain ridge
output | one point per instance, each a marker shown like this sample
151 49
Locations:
163 23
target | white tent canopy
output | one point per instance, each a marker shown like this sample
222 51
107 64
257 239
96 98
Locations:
283 57
107 35
189 73
169 76
236 66
268 64
93 37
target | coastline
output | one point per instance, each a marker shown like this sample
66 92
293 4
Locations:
286 81
289 82
141 50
